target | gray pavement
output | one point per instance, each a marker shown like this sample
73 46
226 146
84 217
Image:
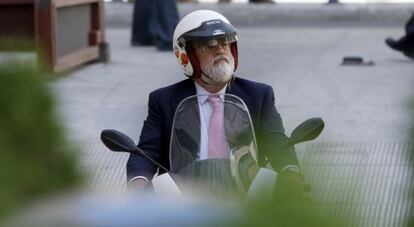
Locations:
289 15
362 152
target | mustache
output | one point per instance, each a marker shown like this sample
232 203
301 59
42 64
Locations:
219 58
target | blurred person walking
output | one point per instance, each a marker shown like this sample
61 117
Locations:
406 43
154 22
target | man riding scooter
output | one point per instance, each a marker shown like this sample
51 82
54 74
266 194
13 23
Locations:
205 45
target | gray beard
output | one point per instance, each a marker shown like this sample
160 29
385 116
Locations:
220 72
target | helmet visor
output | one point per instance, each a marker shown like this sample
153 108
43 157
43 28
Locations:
211 30
213 43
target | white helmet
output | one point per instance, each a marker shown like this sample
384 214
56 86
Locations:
201 25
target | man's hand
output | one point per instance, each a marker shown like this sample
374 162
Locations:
138 184
289 188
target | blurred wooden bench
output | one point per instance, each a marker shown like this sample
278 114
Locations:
65 33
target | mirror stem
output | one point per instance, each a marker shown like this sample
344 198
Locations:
141 152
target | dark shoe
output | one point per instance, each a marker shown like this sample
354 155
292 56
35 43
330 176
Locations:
399 45
409 53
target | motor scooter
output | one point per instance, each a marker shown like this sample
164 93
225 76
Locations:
238 174
172 204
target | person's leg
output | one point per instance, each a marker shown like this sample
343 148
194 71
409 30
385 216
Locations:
140 24
409 38
406 43
163 23
409 29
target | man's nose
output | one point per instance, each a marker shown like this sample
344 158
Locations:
220 49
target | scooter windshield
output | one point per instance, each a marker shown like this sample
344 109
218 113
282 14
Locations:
190 161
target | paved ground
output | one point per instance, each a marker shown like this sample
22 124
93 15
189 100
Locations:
361 157
287 15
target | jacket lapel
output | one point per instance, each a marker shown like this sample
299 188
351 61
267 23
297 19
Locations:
234 89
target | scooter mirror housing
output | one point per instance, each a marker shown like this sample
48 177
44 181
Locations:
308 130
117 141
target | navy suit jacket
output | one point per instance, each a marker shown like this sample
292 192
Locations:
162 103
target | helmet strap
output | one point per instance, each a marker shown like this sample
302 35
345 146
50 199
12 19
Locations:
195 63
234 52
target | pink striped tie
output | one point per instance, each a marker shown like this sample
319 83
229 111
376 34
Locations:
217 147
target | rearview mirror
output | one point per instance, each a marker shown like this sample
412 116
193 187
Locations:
117 141
307 130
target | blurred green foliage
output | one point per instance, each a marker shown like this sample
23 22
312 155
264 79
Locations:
296 213
17 44
35 159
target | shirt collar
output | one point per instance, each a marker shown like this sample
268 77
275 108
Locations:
202 94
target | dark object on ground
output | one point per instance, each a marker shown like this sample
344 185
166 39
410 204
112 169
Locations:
355 60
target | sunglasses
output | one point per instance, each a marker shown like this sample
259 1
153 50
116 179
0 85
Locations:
213 43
